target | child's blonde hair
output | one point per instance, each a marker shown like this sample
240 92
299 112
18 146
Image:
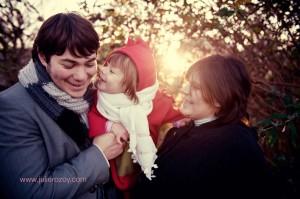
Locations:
126 65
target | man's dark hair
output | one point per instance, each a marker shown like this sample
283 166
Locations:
65 31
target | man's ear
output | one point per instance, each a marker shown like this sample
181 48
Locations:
42 59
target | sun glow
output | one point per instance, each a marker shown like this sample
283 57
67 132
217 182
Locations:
173 62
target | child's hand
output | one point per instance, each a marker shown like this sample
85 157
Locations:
182 122
120 132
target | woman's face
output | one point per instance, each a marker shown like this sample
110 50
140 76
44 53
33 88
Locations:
194 106
71 74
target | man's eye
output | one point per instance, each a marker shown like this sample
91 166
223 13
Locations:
68 66
90 65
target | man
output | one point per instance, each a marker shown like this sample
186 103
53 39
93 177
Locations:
44 148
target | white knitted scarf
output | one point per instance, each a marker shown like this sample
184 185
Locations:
119 108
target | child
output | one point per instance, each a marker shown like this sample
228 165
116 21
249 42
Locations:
128 93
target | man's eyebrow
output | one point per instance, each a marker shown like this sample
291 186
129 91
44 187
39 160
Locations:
91 59
74 62
68 60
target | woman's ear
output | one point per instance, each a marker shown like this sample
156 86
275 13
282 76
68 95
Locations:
217 108
217 104
43 59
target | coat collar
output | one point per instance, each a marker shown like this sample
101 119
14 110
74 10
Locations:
176 134
172 138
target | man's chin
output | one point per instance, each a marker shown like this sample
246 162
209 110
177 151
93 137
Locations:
77 94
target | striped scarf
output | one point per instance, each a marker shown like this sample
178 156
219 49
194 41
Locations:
55 102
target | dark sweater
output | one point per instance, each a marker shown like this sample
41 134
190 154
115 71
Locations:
208 161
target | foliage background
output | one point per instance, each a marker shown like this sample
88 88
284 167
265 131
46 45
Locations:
265 34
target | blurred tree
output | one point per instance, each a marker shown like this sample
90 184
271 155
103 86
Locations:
16 17
263 33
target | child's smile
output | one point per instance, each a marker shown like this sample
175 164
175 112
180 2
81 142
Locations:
110 80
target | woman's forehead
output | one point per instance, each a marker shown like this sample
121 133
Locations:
194 79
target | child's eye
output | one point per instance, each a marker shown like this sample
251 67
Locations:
111 71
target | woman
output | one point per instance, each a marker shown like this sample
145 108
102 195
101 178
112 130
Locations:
217 154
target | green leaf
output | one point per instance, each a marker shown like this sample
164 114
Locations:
295 106
256 29
279 116
225 12
273 137
293 134
265 122
287 99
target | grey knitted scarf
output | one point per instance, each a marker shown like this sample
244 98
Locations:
53 100
69 113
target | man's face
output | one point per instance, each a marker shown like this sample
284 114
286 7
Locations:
71 74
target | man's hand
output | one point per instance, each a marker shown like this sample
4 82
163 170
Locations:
109 145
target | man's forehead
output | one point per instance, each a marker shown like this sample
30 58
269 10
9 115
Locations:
67 56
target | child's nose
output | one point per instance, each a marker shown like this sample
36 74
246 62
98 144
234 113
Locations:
103 69
185 90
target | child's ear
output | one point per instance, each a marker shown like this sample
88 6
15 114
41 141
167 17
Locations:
42 59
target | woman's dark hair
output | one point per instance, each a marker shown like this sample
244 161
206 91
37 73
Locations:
223 80
65 31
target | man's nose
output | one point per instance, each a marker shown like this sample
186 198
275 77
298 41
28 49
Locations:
80 74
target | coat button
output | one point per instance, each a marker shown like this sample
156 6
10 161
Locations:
93 189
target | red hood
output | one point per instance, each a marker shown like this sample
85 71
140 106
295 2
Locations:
141 54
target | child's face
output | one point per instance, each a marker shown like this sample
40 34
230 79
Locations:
194 106
110 79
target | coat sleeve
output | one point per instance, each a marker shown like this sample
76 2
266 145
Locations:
164 110
25 165
96 122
